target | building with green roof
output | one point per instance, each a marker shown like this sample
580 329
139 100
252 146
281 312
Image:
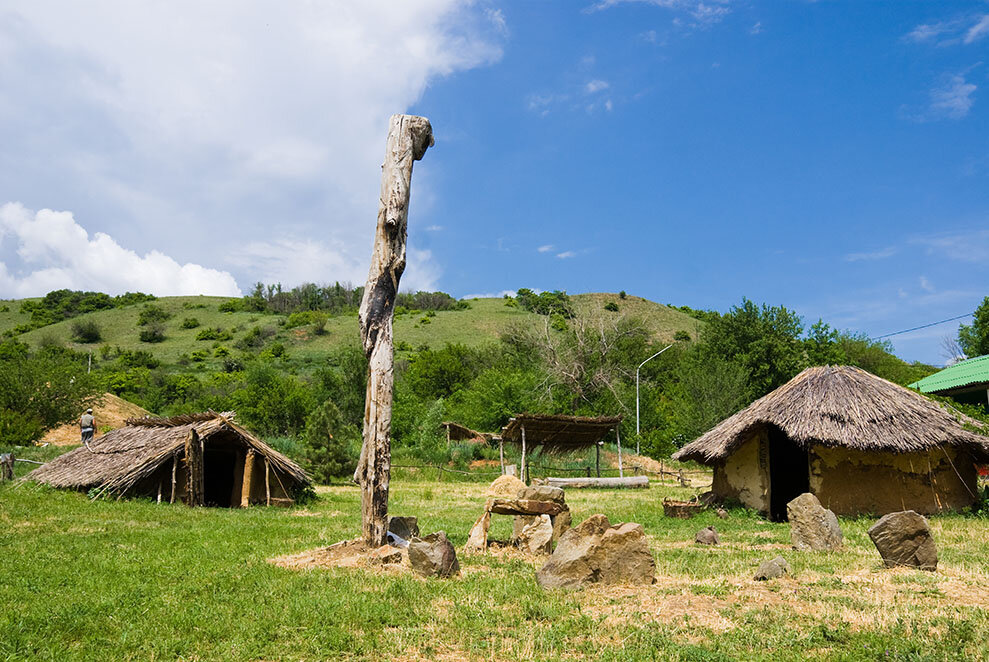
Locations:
966 382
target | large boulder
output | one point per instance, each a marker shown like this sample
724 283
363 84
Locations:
904 538
595 551
812 526
505 487
433 556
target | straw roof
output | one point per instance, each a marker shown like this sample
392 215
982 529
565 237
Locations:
842 406
557 433
116 461
458 432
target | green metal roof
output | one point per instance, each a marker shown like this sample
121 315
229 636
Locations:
972 371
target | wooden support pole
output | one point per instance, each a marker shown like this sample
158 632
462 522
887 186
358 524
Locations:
159 491
408 139
501 454
194 469
525 469
597 458
618 437
7 466
245 485
267 482
175 461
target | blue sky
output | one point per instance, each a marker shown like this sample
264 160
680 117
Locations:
832 157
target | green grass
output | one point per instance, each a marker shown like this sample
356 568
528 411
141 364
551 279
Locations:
135 580
481 324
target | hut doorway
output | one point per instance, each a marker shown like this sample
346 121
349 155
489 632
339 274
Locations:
789 475
219 475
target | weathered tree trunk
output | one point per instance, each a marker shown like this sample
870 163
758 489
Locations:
194 469
408 139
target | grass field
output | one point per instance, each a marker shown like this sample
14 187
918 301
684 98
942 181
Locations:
82 580
482 323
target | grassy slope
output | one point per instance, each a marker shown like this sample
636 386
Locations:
482 323
135 580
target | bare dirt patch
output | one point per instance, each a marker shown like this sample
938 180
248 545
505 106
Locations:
345 554
110 412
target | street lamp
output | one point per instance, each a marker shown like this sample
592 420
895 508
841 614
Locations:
637 394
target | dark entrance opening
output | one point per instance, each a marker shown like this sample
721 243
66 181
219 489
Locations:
789 473
218 476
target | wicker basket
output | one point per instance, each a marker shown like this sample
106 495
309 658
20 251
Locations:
681 509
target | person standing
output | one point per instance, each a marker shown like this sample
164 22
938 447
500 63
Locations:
87 425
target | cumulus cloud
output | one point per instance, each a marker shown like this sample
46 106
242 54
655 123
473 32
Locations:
294 260
55 252
226 120
595 86
953 98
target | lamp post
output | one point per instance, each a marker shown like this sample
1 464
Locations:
637 394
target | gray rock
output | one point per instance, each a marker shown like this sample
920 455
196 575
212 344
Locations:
433 556
904 538
541 493
536 537
406 528
772 569
707 536
594 551
812 526
477 539
721 513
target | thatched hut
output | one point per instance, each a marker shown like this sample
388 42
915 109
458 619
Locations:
198 459
861 444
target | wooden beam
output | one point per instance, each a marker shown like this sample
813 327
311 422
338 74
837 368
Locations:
267 482
501 454
194 469
175 461
525 470
618 437
245 489
408 139
630 482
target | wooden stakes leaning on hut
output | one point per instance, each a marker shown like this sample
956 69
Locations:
408 139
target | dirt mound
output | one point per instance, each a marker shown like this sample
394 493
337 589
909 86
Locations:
110 413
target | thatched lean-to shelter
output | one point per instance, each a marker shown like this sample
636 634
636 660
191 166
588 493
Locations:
860 443
559 433
198 459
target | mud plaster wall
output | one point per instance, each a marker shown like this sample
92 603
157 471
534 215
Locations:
744 475
851 482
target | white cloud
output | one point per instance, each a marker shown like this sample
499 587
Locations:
928 31
227 120
434 228
292 260
545 249
595 86
608 105
492 295
926 285
56 252
977 31
703 13
970 246
883 253
756 29
952 99
566 254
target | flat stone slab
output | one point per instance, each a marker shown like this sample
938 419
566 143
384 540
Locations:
523 507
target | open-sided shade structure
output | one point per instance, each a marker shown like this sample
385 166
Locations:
557 433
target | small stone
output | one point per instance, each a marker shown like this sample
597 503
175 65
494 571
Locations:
405 528
772 569
385 554
904 538
433 556
812 526
707 536
721 513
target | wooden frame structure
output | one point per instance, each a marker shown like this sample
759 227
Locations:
558 433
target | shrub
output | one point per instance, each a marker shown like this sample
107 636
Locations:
199 355
681 336
153 332
138 359
622 295
255 338
231 306
211 333
152 314
220 351
331 445
233 365
190 323
86 331
612 306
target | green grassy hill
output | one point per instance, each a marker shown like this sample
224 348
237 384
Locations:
480 324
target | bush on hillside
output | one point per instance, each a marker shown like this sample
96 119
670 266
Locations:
190 323
86 331
331 445
153 332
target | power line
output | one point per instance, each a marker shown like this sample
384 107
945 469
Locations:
923 326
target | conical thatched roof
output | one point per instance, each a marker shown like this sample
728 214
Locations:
842 406
116 461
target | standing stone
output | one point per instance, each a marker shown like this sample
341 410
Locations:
904 538
536 537
772 569
405 528
707 536
595 551
812 526
477 539
433 556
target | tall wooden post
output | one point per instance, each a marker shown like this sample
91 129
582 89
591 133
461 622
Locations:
408 139
525 470
194 469
245 485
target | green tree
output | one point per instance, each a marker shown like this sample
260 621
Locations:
332 446
974 337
